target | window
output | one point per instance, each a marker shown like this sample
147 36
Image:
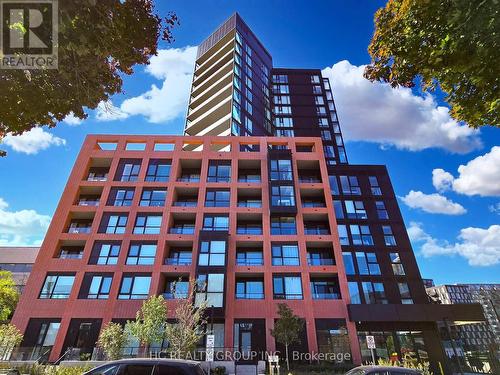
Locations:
121 197
343 236
326 135
287 287
283 225
316 89
158 170
280 78
388 236
374 292
381 211
57 286
113 223
374 185
249 258
141 253
282 196
314 79
215 223
98 286
397 266
182 228
217 198
319 100
348 263
176 289
367 263
361 235
339 212
350 185
219 171
329 151
134 287
179 258
282 99
105 253
334 186
285 133
237 112
212 253
210 289
320 257
354 292
404 291
281 170
249 289
355 210
147 224
153 197
325 289
128 170
283 122
285 255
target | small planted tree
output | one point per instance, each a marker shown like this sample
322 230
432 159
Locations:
8 295
287 329
10 337
112 340
149 324
183 335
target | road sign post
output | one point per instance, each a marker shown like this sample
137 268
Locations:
370 343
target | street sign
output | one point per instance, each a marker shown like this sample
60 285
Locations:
273 358
210 348
370 342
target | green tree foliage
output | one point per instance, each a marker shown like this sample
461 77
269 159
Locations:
10 337
183 335
450 44
8 295
149 324
99 42
112 340
287 328
423 367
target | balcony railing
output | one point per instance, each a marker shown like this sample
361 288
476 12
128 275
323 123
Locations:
250 262
192 203
316 230
320 262
178 261
85 202
101 178
181 230
79 230
249 295
189 179
249 230
316 295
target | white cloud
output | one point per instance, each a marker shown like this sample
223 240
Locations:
33 141
106 111
72 120
174 66
495 208
21 228
375 112
481 247
432 203
441 179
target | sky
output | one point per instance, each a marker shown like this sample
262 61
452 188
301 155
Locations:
445 174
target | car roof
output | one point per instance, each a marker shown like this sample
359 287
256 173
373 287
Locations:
388 368
165 361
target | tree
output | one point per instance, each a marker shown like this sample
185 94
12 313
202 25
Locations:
149 324
183 335
112 340
453 45
8 295
99 42
287 328
10 336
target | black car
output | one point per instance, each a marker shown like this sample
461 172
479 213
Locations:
148 367
382 370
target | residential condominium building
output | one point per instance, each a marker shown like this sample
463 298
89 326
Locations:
257 202
18 260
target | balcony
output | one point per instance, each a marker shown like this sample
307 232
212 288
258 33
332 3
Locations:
189 170
98 174
88 200
80 226
249 228
179 257
185 197
182 229
320 257
325 288
71 252
316 229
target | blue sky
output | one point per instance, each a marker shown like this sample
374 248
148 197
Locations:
453 220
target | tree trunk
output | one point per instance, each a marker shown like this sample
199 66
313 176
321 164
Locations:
287 362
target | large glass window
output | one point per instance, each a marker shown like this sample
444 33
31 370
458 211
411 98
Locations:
113 223
128 170
381 210
388 236
343 235
374 292
121 197
212 253
339 211
320 257
375 187
179 257
361 235
219 171
141 253
135 287
348 263
355 210
350 185
153 197
404 291
287 287
99 287
147 224
397 265
283 225
282 196
249 289
105 253
57 286
158 170
285 255
217 198
210 288
367 263
281 170
215 223
325 289
354 292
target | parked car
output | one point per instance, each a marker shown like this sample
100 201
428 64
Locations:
382 370
148 367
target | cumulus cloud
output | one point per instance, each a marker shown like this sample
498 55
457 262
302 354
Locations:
72 120
432 203
375 112
442 180
165 102
479 246
33 141
106 111
21 228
